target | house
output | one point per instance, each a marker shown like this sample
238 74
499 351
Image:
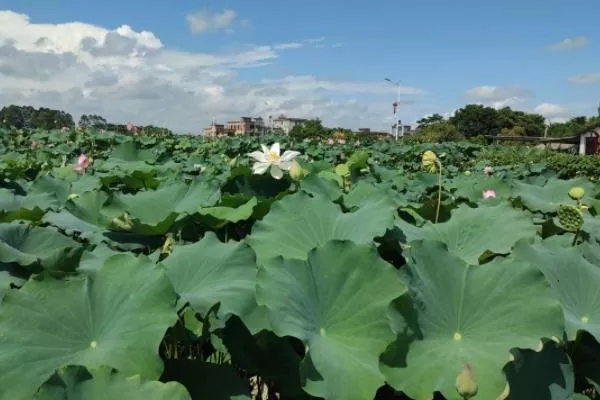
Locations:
213 130
285 124
589 141
243 126
404 130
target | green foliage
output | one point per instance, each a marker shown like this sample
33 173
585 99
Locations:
168 270
473 120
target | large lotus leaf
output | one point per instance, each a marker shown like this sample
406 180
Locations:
27 245
591 225
116 317
472 187
154 207
336 302
30 207
49 185
299 223
465 314
364 193
131 151
473 231
92 261
75 383
547 198
209 272
315 185
228 211
574 279
6 280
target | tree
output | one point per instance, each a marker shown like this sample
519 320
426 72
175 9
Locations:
310 128
430 120
439 132
474 119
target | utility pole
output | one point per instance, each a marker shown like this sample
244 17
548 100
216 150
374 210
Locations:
396 109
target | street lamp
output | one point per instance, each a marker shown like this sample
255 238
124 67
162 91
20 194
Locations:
396 114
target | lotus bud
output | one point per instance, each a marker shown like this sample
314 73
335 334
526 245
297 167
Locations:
576 193
430 161
465 383
570 217
467 173
296 171
168 246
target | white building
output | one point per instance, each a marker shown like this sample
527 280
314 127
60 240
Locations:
284 123
589 142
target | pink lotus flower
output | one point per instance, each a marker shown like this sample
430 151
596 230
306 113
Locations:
64 129
488 171
132 128
341 141
329 141
82 163
357 143
487 194
34 144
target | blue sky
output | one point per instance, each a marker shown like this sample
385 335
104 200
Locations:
322 58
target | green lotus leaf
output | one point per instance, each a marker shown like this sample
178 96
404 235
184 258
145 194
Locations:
465 314
75 383
471 232
574 279
159 208
336 302
92 261
547 198
472 188
299 223
315 185
116 317
224 214
27 245
30 207
6 280
130 150
210 272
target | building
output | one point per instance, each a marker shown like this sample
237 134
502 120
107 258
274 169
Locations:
213 130
589 141
285 124
405 130
243 126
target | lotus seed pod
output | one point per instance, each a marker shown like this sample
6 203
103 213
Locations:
342 170
570 217
576 193
465 383
430 161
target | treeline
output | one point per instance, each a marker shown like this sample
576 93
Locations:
27 117
477 120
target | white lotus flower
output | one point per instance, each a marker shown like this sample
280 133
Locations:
272 158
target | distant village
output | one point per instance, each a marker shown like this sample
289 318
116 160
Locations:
283 124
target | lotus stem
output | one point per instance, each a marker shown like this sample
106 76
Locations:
575 238
439 201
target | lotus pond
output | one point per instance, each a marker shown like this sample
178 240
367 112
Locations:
172 268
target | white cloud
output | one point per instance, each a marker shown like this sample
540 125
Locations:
124 75
569 44
499 96
553 112
202 21
585 79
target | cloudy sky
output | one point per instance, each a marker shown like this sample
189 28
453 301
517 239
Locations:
183 63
